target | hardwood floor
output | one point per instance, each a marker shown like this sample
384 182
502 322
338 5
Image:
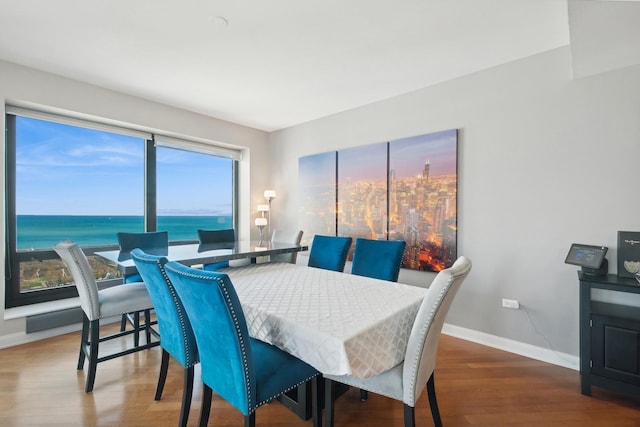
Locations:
476 386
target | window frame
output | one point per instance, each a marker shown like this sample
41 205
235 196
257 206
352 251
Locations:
13 295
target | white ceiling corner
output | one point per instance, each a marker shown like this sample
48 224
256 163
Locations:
277 63
604 35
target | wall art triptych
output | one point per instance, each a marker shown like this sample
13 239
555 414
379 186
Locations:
404 189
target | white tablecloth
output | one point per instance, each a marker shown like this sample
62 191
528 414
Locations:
339 323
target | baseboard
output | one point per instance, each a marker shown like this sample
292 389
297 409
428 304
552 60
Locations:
534 352
20 338
24 338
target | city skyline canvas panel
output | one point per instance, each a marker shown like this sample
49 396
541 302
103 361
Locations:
362 192
423 198
404 189
317 192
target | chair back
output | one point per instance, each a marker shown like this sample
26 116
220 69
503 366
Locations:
209 239
83 277
226 358
154 242
420 358
286 236
217 236
380 259
329 252
176 333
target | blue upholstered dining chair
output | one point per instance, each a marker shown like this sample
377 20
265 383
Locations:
380 259
216 236
286 236
154 242
100 304
407 380
176 335
329 252
244 371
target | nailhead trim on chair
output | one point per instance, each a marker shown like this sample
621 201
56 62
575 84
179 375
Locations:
237 326
252 406
76 260
425 330
181 316
245 364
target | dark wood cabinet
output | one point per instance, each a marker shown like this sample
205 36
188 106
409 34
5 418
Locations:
609 336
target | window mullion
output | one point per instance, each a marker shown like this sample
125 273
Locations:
150 186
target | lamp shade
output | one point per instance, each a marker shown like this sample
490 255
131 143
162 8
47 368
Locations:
261 221
263 208
269 194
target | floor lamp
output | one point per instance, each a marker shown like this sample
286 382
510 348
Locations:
269 195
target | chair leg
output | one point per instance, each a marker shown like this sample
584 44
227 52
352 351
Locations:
409 416
329 400
250 420
433 402
93 355
147 325
84 339
205 408
123 323
187 392
136 327
364 394
162 376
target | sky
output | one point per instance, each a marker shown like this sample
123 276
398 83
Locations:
409 155
67 170
368 162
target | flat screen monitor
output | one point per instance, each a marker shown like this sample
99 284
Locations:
587 256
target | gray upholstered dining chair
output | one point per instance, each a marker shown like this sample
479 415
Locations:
407 380
176 334
244 371
329 252
100 304
286 236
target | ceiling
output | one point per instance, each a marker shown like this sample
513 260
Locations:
274 64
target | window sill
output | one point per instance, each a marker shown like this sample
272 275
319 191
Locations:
40 308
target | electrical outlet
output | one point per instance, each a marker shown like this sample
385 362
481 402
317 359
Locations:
511 303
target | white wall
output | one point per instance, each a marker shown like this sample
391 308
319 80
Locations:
544 161
27 86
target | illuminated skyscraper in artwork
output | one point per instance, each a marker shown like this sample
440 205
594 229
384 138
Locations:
425 173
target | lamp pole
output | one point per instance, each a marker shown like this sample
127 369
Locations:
269 195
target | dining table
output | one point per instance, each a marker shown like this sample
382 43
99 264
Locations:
339 323
205 253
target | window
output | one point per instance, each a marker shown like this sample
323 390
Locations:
194 191
67 179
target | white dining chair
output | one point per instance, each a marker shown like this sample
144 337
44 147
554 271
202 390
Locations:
407 380
102 304
286 236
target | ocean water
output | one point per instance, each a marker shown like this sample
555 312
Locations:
44 231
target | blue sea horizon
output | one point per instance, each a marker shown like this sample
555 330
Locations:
44 231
